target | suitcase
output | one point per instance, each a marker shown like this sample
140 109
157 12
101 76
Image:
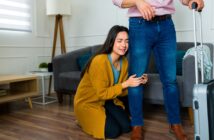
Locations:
203 95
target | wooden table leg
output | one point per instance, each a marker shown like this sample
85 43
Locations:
30 102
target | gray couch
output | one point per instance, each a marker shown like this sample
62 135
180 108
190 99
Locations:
67 75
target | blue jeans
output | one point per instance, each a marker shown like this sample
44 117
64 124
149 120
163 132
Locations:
159 37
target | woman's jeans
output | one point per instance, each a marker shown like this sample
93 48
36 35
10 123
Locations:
159 37
117 120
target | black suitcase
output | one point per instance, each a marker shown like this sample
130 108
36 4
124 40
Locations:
203 96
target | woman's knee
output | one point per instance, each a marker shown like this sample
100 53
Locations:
113 132
126 127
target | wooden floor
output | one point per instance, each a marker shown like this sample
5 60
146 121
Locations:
57 122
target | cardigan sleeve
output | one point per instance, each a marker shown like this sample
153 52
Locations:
100 80
125 76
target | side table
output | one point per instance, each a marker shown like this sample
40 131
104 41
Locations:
43 99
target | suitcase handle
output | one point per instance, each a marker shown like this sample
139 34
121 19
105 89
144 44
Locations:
195 6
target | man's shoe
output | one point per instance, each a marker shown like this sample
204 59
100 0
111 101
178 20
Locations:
177 130
137 133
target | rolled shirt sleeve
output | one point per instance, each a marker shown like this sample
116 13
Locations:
118 3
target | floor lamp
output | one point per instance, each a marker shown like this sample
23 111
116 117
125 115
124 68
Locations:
58 8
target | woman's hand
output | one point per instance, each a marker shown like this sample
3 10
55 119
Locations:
133 81
144 78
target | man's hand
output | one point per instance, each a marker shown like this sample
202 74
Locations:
200 4
145 9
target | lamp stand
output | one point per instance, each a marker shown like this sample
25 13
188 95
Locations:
58 22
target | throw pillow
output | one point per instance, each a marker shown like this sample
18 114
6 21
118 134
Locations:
179 58
83 59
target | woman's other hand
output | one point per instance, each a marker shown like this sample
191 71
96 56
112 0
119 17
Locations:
144 78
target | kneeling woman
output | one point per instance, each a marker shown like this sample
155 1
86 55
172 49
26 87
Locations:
98 110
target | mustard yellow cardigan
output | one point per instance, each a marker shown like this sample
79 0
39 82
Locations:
97 86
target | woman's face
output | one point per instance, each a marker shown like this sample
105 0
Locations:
121 44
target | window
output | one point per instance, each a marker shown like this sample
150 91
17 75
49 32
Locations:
15 15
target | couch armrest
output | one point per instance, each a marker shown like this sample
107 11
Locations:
188 75
66 63
188 70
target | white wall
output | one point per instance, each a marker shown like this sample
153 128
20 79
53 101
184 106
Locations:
88 25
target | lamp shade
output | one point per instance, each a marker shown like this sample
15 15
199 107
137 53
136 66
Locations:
58 7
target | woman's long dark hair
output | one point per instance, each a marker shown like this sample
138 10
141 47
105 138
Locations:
107 46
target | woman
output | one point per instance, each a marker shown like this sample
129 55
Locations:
98 110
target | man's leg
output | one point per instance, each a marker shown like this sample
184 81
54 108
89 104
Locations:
139 52
140 43
165 57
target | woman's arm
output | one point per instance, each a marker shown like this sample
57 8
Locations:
100 80
99 73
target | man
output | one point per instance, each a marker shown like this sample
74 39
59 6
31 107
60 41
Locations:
151 29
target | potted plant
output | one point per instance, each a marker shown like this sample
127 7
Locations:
43 66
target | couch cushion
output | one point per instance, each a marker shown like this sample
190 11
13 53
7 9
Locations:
69 80
83 59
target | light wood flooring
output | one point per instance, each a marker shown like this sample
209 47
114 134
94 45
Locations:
57 122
